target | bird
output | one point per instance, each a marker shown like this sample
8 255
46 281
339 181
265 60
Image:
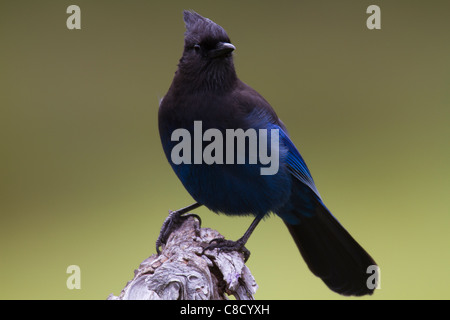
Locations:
206 90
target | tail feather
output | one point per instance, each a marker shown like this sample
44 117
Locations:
329 250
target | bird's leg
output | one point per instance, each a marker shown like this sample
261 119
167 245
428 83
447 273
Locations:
239 245
173 221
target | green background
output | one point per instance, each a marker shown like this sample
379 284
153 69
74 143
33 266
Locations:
84 181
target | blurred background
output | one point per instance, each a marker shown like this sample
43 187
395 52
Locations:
84 181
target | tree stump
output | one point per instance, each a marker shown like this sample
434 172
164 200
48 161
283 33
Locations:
182 272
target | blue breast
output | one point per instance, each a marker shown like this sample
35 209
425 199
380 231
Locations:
234 189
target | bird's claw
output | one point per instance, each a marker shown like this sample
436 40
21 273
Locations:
172 222
228 246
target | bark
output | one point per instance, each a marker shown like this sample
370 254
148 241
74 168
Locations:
182 272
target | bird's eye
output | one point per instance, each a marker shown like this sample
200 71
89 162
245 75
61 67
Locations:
197 48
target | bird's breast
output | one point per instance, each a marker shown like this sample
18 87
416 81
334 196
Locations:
232 177
228 159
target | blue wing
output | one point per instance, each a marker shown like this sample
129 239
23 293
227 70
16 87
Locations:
259 118
296 164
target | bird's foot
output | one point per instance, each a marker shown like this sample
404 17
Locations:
229 246
173 221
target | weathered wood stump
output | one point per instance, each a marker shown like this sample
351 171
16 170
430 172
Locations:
182 272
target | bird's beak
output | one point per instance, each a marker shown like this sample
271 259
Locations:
223 48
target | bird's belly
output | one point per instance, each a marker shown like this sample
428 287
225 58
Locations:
235 189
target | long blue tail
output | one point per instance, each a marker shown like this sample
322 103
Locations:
328 249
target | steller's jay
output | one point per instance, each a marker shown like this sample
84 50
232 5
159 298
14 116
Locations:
207 94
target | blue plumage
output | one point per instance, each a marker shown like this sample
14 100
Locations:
207 91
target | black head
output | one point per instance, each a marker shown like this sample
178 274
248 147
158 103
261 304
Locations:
207 51
205 37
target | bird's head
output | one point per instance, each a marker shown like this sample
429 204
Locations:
204 38
207 49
